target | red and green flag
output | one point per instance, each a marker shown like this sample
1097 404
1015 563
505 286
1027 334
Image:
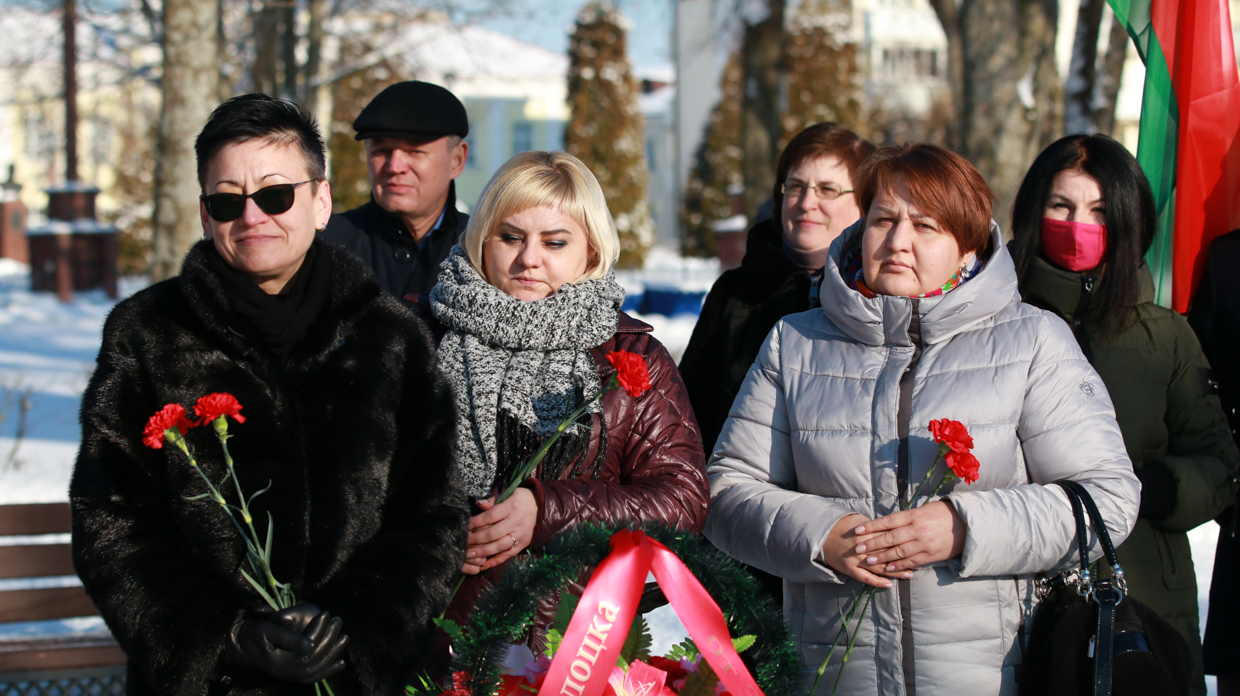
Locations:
1190 118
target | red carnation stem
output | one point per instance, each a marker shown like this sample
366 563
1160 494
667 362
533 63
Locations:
215 494
869 591
257 555
535 459
221 434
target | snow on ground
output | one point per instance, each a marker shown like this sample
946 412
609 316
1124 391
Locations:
666 268
49 348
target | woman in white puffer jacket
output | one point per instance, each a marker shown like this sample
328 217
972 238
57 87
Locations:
920 320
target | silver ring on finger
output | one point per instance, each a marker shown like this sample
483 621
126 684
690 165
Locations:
515 543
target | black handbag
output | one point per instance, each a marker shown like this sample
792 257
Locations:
1089 638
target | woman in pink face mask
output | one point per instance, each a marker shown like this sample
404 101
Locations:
1081 224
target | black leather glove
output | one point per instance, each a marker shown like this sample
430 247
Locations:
300 644
1158 490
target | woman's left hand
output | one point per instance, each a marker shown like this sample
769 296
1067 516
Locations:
913 538
500 531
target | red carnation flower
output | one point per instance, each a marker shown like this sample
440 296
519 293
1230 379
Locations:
675 670
512 685
963 465
953 434
216 405
631 371
168 417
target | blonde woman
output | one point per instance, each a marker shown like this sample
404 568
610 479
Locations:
525 311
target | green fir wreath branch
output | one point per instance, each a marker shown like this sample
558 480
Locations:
504 612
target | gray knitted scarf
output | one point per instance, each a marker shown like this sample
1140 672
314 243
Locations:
530 359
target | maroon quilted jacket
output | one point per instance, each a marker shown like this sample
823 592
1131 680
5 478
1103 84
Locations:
654 469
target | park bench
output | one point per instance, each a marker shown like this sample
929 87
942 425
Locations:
37 584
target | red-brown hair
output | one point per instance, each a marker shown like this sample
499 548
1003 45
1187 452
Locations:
941 183
824 139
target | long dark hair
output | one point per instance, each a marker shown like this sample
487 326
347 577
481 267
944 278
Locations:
1130 219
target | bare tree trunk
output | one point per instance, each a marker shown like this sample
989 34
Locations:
1005 88
71 113
189 91
314 56
266 38
1111 76
1078 92
223 87
761 105
949 16
288 21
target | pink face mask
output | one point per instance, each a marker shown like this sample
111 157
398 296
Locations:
1076 246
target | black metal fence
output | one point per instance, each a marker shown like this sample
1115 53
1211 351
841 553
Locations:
100 681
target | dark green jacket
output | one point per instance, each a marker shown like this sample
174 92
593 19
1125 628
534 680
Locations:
1169 414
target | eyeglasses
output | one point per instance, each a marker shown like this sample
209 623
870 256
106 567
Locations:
273 200
797 189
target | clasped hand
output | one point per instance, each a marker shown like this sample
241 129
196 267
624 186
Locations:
874 551
500 531
300 644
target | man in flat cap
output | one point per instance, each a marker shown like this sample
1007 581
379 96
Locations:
414 135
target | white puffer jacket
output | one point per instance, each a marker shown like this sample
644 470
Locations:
815 434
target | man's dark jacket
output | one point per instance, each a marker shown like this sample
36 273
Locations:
354 433
740 310
385 244
1215 316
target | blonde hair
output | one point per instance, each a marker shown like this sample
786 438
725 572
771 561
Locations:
552 180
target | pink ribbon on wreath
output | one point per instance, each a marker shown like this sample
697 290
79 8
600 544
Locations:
605 613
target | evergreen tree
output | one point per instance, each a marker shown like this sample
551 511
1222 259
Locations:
606 130
716 167
823 85
823 77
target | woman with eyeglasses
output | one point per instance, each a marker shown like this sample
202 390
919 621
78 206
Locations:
346 426
830 437
781 271
780 274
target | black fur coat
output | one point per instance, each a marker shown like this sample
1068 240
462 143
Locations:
352 430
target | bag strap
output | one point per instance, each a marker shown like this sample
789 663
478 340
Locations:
1108 597
1074 489
1082 536
1104 593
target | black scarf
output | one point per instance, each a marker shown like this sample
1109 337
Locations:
280 320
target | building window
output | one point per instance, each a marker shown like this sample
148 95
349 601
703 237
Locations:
522 137
909 63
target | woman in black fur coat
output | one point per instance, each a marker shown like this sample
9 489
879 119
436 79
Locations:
343 417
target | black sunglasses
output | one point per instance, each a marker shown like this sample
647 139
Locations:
273 200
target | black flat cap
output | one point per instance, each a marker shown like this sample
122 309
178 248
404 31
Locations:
412 110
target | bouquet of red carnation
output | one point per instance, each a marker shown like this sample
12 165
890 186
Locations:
171 424
955 450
